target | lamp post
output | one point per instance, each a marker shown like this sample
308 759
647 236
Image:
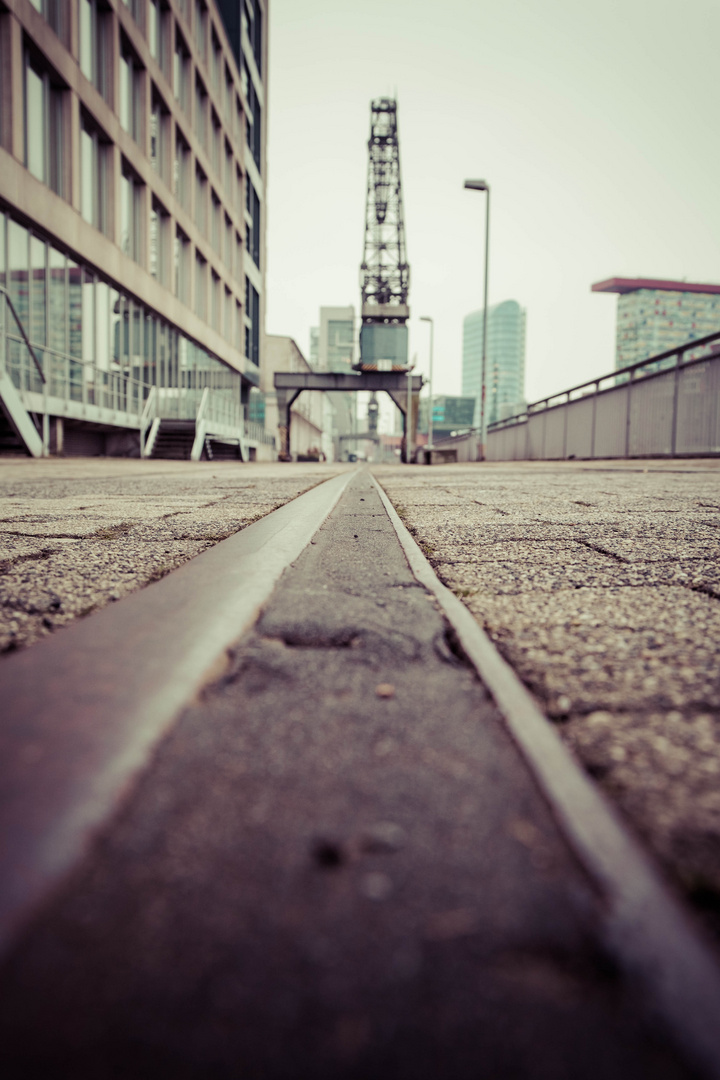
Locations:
426 318
482 185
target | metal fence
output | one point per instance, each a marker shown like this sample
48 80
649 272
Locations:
665 406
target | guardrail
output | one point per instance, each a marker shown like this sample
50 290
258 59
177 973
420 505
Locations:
665 406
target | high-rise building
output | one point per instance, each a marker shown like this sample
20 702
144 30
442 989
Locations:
132 216
655 315
336 345
505 360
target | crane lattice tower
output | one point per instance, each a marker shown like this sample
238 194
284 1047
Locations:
384 272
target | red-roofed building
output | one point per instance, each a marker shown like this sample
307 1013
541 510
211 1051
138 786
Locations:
654 315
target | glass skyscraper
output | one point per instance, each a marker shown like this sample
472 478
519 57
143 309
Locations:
505 361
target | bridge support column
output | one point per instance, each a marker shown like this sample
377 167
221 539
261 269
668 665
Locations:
409 441
285 399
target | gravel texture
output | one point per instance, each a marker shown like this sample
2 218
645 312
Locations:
336 867
77 534
600 583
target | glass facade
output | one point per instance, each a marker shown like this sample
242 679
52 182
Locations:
156 197
88 334
505 360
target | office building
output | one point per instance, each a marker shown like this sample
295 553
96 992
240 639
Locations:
132 224
505 360
451 415
655 315
333 347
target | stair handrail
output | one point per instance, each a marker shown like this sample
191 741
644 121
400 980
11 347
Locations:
21 328
204 398
148 408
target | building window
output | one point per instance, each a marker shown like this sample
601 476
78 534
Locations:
130 106
215 295
56 13
228 252
131 231
94 173
201 201
201 99
252 323
252 25
200 286
182 266
95 62
238 271
38 291
181 177
181 63
159 237
135 7
215 224
227 316
153 29
228 96
229 173
44 125
252 206
253 129
200 26
159 135
216 144
216 62
238 120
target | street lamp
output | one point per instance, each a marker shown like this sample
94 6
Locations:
482 185
426 318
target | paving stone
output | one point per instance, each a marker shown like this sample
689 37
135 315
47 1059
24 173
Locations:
77 534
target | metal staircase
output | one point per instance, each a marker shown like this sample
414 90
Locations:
174 440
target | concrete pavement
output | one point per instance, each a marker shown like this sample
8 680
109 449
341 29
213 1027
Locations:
77 534
337 865
600 584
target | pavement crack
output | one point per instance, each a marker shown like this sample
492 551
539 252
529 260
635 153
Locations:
603 551
45 553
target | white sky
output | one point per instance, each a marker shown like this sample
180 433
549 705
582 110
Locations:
596 125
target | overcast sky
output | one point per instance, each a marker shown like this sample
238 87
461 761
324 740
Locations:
596 125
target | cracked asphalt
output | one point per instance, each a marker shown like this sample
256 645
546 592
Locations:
600 584
77 534
336 866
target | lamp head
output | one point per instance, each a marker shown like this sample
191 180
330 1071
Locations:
425 318
477 185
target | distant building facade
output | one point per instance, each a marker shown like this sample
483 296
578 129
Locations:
450 414
132 210
654 315
505 360
333 347
308 435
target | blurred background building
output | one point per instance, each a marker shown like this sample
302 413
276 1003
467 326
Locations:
310 425
333 347
505 362
132 218
655 315
451 415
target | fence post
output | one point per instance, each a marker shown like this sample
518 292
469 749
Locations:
627 419
676 390
594 419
